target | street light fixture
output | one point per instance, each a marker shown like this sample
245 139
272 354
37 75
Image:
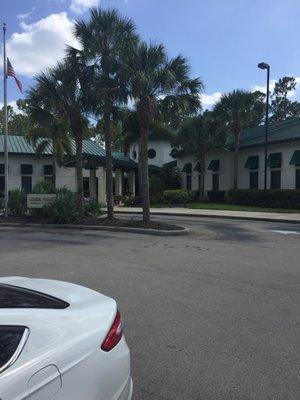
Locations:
266 66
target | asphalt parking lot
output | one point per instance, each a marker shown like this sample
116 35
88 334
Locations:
213 315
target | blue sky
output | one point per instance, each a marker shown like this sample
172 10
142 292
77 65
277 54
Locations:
222 39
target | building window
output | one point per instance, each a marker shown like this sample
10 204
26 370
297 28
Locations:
2 169
26 169
297 178
276 179
48 170
189 182
86 187
253 181
27 184
151 153
215 182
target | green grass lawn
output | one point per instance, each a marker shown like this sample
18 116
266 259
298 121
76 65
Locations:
231 207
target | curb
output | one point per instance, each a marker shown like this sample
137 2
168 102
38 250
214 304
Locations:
142 231
247 218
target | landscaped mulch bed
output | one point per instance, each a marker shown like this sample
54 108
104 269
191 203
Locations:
96 222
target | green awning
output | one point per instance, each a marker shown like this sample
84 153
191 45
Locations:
198 166
252 162
154 168
295 160
187 168
214 165
274 160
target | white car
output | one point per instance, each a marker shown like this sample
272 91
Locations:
60 341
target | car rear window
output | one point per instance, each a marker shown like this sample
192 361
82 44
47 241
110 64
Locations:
17 297
10 339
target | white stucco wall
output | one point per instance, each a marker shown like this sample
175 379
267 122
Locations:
288 172
163 149
65 177
225 158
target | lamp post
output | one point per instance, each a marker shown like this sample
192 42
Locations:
266 66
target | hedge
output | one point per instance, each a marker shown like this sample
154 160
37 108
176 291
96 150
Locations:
216 196
283 198
179 196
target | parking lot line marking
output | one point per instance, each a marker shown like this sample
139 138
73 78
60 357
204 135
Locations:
286 232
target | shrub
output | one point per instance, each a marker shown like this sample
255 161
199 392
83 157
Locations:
1 204
17 202
265 198
216 196
92 208
130 201
179 196
156 188
64 208
44 187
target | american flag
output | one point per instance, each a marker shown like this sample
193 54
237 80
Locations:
11 72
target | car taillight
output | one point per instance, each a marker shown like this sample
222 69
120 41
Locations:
114 335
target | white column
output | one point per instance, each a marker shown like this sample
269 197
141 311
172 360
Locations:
131 182
101 185
118 182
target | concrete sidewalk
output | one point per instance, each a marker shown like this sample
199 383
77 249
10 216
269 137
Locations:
187 212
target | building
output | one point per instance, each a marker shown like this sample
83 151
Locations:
283 161
159 151
25 169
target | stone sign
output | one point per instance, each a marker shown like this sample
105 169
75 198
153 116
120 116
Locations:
39 200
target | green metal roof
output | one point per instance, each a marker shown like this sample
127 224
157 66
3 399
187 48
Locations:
18 144
286 131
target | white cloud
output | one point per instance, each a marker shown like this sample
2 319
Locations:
80 6
208 100
41 43
263 88
26 15
293 94
13 104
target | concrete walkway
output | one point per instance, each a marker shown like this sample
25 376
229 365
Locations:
249 215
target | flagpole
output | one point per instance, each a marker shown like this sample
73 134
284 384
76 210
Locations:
5 120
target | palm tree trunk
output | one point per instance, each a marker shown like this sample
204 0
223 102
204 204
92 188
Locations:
145 175
76 126
237 132
140 168
202 176
79 177
236 162
201 159
54 169
109 164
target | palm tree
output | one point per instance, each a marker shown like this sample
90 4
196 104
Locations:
239 110
105 38
199 133
63 89
154 80
48 130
